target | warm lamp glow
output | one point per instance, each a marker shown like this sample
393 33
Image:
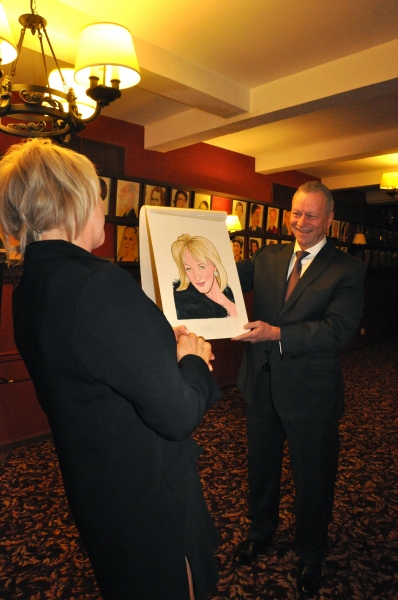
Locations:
389 181
86 106
359 239
8 49
233 223
106 51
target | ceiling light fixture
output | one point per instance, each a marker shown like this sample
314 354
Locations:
389 181
106 63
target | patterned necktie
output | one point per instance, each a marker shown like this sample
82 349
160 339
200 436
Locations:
295 274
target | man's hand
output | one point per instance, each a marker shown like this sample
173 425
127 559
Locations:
259 332
180 330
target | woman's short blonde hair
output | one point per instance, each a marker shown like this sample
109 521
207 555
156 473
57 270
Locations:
44 186
201 249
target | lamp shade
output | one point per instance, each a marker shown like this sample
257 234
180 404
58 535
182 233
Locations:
359 239
8 49
389 181
106 51
86 106
233 223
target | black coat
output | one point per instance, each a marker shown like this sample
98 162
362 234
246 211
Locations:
103 361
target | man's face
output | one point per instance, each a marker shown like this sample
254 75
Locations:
256 217
181 201
309 219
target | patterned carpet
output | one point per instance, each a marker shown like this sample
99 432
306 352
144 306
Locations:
41 557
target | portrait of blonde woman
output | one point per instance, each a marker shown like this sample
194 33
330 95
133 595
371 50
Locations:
128 245
201 291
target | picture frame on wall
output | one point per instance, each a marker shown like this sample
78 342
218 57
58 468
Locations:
238 248
343 236
335 230
286 228
180 198
256 219
155 195
239 208
127 199
105 192
202 201
254 245
127 243
272 220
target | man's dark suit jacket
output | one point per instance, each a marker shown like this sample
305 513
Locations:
103 361
318 320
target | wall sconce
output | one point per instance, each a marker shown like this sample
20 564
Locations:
389 181
233 223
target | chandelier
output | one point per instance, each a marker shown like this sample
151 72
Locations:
105 63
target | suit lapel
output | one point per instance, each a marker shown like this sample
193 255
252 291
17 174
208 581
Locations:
323 259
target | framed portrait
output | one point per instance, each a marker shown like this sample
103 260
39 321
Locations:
127 243
343 237
335 230
238 248
239 208
256 219
268 242
286 228
254 245
155 195
202 201
105 192
127 199
272 220
180 198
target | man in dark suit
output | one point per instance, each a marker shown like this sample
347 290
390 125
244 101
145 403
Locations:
292 379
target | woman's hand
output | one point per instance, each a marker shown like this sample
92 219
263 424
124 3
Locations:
180 330
192 344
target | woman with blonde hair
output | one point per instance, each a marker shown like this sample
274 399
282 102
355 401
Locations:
99 353
202 291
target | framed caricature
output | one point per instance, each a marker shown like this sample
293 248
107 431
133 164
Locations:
127 199
254 245
286 227
127 245
238 248
272 220
105 192
256 219
155 195
202 201
180 198
239 208
335 230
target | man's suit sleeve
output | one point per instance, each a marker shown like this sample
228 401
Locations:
338 324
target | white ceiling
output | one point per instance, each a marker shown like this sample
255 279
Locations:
310 85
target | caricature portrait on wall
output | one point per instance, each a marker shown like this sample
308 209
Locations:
180 198
286 227
127 243
239 209
272 220
105 187
202 201
188 269
127 199
238 248
254 245
256 219
155 195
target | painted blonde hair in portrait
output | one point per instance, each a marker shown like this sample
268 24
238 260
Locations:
202 250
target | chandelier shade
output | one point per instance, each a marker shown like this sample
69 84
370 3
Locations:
106 53
8 49
85 105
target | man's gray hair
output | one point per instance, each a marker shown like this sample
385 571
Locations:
311 187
